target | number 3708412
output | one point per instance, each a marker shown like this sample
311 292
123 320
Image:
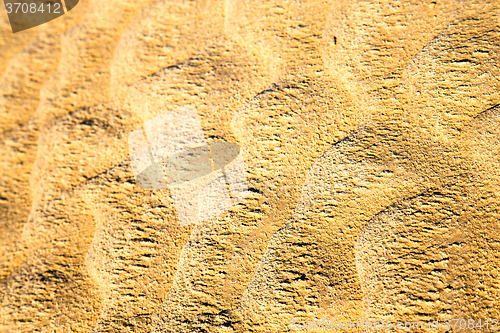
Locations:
26 14
25 8
471 324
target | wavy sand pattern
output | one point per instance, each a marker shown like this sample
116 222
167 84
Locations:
370 133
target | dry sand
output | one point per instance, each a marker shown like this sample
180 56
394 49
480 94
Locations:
370 132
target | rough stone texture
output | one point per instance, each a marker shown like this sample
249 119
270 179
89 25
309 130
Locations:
371 137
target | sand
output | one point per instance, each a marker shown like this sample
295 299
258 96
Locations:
370 142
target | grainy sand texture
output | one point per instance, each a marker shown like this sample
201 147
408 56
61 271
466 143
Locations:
367 177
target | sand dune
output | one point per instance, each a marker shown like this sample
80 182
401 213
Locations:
369 131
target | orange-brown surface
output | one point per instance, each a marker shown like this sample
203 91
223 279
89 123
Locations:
371 138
